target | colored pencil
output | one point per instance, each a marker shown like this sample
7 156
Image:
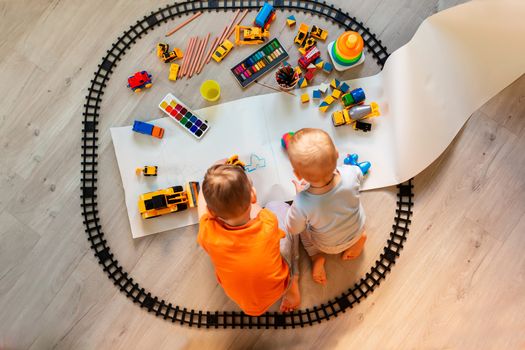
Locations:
231 25
199 57
194 50
188 56
216 45
185 58
184 23
271 87
230 32
208 54
195 57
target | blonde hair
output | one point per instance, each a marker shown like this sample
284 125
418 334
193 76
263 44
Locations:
313 154
227 190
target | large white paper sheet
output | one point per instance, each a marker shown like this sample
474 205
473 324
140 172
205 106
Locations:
426 91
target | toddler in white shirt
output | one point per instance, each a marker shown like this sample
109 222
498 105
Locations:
326 210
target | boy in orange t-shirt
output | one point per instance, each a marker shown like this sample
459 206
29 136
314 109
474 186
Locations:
255 260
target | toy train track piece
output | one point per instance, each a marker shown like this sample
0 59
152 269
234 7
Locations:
190 122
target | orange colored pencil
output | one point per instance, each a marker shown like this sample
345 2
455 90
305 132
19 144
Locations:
230 32
184 23
185 57
188 57
208 54
217 44
194 60
201 53
231 25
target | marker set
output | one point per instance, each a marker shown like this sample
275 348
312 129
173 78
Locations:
184 116
259 63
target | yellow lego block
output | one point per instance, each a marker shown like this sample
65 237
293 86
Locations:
329 99
336 93
324 108
335 83
305 98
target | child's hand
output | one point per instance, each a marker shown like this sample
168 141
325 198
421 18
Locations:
299 186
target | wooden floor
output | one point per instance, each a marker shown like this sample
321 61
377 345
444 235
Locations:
459 283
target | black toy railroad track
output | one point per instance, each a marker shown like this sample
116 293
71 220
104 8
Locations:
224 319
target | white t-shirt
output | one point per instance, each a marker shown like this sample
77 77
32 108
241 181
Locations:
335 218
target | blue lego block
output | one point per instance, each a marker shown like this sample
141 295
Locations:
328 67
142 128
316 94
344 87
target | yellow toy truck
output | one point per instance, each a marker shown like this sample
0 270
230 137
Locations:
234 160
222 50
168 200
147 170
302 33
250 35
355 115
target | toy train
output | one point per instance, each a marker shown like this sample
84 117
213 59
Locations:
169 200
265 17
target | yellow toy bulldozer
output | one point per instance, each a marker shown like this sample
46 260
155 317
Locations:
168 200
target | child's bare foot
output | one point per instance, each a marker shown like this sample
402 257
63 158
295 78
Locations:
318 271
354 251
292 297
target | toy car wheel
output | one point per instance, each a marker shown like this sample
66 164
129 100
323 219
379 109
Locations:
137 90
148 85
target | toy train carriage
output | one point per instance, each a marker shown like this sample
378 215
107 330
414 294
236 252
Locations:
169 200
265 17
139 80
309 57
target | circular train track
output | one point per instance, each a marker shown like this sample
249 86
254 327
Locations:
224 319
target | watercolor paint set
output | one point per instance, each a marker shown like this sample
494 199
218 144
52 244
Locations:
260 62
184 116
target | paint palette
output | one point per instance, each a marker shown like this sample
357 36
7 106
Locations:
259 63
184 116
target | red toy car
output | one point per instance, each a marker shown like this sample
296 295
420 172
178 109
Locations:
311 55
140 80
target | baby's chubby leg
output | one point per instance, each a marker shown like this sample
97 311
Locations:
318 259
318 270
354 251
289 247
